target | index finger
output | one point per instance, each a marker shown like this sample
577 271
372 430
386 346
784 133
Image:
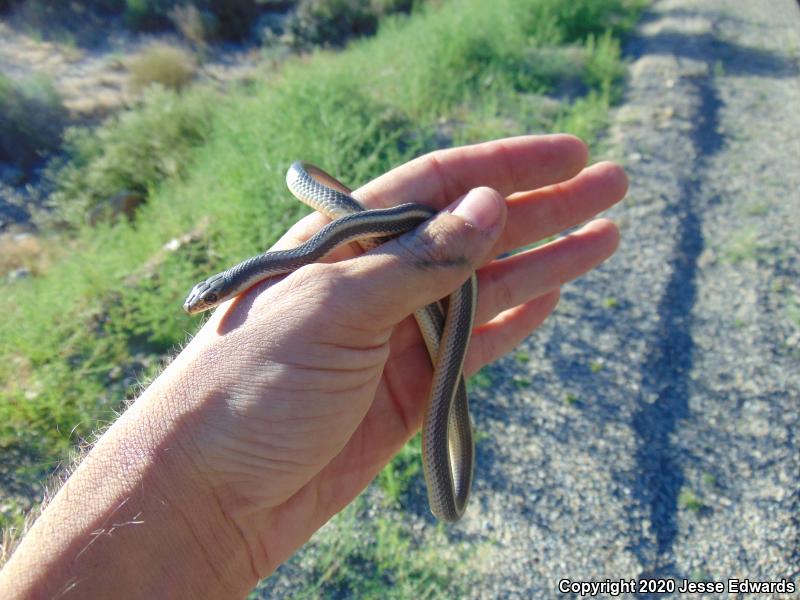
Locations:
508 165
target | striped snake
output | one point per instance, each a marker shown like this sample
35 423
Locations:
448 452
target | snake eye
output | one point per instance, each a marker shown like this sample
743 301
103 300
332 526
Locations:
210 298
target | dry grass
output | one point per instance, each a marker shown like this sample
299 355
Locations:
20 251
167 65
193 24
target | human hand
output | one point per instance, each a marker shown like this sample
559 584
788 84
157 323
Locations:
293 396
305 388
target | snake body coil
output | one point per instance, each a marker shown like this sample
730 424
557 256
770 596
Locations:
448 452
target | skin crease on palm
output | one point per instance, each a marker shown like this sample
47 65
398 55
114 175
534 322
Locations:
293 396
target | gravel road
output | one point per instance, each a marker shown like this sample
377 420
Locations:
660 434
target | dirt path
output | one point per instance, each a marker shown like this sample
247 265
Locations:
659 435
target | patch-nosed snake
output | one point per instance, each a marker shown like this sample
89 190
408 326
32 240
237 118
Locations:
448 451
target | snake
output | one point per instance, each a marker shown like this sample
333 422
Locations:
448 449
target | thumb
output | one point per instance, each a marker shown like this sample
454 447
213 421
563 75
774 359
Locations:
425 265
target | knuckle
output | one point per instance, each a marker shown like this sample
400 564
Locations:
434 163
437 246
503 296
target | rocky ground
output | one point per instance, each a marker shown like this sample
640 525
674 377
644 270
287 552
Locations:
659 434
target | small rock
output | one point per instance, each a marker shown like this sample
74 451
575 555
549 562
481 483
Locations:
18 273
173 245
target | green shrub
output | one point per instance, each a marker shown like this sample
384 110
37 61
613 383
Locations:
233 18
169 66
575 20
31 120
388 7
688 500
581 18
603 65
132 151
331 22
148 15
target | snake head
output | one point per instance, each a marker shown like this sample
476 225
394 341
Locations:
205 295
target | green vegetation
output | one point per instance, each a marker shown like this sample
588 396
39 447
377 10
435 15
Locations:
333 22
83 20
133 151
793 311
522 357
228 19
688 500
78 338
701 574
521 382
481 379
377 557
758 209
398 476
742 245
31 120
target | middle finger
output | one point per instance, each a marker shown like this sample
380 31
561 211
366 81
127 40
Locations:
544 212
512 281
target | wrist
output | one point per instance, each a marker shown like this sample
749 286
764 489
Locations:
136 502
188 520
187 517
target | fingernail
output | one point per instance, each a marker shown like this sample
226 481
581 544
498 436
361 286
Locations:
479 208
